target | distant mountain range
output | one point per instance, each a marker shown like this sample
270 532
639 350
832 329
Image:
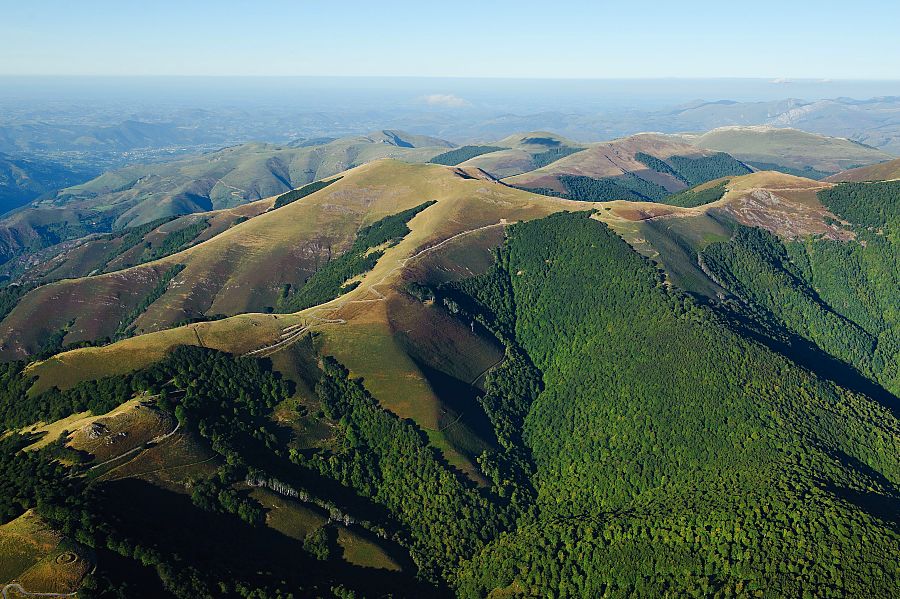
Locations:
874 122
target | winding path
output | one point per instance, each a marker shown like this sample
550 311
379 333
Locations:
154 440
293 333
18 590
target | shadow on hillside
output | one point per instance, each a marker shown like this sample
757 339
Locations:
228 549
812 357
880 506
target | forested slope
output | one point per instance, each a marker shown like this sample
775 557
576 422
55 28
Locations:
839 295
672 454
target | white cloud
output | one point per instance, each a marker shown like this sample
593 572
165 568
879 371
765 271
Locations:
446 101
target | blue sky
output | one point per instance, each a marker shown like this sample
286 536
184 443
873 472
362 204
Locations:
500 38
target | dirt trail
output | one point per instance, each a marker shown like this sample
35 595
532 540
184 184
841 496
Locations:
293 333
164 469
154 440
18 590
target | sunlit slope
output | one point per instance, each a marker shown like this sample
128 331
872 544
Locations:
612 159
783 204
244 268
139 194
234 176
241 270
405 351
39 559
523 152
789 147
877 172
115 251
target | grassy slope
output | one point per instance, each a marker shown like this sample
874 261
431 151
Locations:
416 361
386 341
230 177
243 269
789 147
518 157
85 257
393 342
876 172
38 558
671 236
611 159
240 270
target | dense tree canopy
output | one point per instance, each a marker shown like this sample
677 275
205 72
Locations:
297 194
460 155
673 452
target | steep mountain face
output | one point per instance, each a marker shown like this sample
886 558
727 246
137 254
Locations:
642 463
416 379
770 148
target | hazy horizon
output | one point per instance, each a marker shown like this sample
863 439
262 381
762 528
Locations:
439 92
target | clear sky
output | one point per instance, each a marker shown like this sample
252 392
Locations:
488 38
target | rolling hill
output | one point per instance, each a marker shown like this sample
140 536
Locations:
495 392
647 166
524 152
876 172
227 178
771 148
233 176
244 269
96 253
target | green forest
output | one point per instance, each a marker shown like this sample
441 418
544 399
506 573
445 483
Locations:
542 159
706 168
297 194
840 296
675 453
691 197
695 171
460 155
660 166
629 186
587 189
807 171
